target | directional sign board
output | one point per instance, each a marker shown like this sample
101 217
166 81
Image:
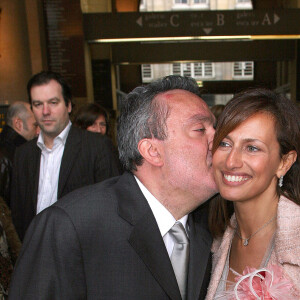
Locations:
191 23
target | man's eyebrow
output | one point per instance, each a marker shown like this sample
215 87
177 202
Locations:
202 118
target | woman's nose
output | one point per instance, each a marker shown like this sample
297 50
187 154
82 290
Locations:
234 159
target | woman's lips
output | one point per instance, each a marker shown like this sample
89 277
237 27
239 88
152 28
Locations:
234 179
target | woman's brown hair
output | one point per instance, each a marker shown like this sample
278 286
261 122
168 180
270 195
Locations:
286 115
88 114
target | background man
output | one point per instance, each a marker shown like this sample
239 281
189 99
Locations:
117 239
62 159
20 127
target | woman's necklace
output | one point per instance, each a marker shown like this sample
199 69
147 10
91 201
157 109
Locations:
246 240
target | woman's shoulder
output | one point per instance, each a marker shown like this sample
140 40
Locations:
287 242
285 202
288 213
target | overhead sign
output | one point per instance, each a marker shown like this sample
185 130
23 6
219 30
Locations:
64 34
191 23
139 53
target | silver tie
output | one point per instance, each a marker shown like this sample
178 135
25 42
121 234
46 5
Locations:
180 256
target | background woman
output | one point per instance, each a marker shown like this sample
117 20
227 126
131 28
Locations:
92 117
256 166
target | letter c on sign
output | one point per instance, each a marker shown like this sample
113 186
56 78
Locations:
172 20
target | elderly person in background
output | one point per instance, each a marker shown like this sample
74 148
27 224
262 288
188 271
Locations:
20 127
256 222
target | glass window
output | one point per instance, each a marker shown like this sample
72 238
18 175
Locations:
200 1
243 4
176 69
186 70
244 69
147 73
190 4
196 70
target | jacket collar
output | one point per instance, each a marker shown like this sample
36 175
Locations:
287 245
145 236
72 148
200 254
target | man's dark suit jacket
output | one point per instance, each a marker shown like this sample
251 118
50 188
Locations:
9 141
88 158
103 242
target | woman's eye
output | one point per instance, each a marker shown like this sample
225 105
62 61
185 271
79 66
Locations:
223 144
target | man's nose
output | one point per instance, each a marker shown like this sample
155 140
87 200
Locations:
46 109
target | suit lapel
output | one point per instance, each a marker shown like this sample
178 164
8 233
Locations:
148 244
72 148
145 237
200 245
34 175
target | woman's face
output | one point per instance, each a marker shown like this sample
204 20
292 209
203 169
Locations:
247 161
99 125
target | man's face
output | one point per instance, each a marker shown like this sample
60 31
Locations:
30 127
187 148
49 109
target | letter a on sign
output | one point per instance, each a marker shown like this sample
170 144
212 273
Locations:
266 20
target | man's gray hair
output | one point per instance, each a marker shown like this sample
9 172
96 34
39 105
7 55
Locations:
144 116
18 109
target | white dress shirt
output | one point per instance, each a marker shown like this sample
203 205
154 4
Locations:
49 169
163 217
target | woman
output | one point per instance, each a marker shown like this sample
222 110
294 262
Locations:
92 117
256 166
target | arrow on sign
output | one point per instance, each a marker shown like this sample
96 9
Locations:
140 21
207 30
276 18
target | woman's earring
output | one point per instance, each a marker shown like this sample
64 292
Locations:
280 182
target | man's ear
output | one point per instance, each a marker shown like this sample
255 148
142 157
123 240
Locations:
18 124
286 162
69 107
150 150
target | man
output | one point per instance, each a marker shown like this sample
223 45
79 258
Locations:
118 239
62 159
20 127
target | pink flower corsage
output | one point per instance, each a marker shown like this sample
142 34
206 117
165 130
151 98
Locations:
266 283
